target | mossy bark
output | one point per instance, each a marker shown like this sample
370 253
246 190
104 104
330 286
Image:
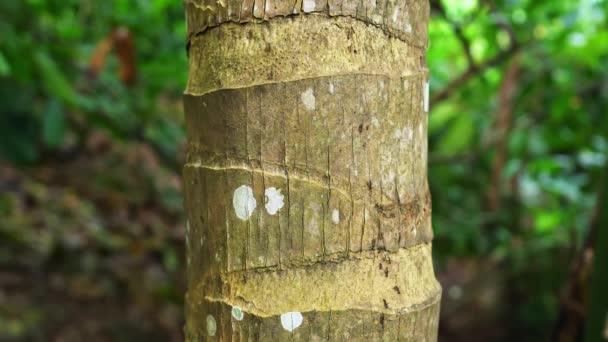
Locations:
308 210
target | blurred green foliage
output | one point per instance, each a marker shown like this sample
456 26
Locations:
105 222
90 196
555 146
46 86
557 142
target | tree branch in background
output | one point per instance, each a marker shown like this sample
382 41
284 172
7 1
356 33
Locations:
472 155
466 45
502 128
487 143
473 69
503 25
596 319
571 318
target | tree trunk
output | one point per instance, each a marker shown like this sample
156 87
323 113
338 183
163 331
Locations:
308 209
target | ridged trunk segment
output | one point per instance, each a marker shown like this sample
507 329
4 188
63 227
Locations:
419 324
308 211
295 48
403 19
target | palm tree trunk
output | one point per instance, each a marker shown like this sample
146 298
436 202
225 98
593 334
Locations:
308 209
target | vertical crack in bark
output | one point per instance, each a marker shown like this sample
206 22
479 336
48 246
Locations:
329 209
285 169
288 230
350 185
328 325
264 199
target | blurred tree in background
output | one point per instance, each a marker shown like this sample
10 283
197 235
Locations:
91 137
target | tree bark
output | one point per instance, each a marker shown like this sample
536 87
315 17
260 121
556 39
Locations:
306 195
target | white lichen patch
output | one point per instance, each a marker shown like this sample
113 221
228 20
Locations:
403 137
211 325
335 216
395 14
427 89
375 121
291 320
243 201
391 176
308 5
408 28
308 99
313 223
237 313
387 177
274 200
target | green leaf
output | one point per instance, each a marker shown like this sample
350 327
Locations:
5 68
53 80
53 124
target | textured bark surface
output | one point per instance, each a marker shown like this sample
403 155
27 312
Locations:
308 211
407 20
